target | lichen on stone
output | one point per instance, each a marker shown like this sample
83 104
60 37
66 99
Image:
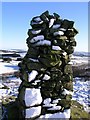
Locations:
50 43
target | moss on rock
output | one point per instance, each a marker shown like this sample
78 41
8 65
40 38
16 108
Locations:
78 112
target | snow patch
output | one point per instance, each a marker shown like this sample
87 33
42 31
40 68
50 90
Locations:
36 31
56 26
33 112
15 80
62 29
81 92
34 60
65 114
46 77
32 97
3 93
1 85
44 42
47 101
37 19
64 53
56 101
35 23
37 38
58 33
8 67
70 63
51 22
66 92
33 75
56 48
55 108
35 82
49 105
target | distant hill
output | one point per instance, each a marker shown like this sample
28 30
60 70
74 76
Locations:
76 53
82 54
13 50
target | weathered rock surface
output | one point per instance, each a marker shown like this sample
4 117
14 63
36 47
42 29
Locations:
46 69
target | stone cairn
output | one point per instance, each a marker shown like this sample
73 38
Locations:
45 71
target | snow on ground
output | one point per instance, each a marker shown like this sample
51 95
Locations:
77 60
12 82
12 66
82 92
9 67
22 54
6 53
12 85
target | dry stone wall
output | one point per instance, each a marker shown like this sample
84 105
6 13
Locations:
45 71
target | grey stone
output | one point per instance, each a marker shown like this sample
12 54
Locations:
50 43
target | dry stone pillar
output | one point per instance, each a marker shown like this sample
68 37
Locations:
45 71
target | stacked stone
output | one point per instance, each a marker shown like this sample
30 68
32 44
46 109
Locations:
45 70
